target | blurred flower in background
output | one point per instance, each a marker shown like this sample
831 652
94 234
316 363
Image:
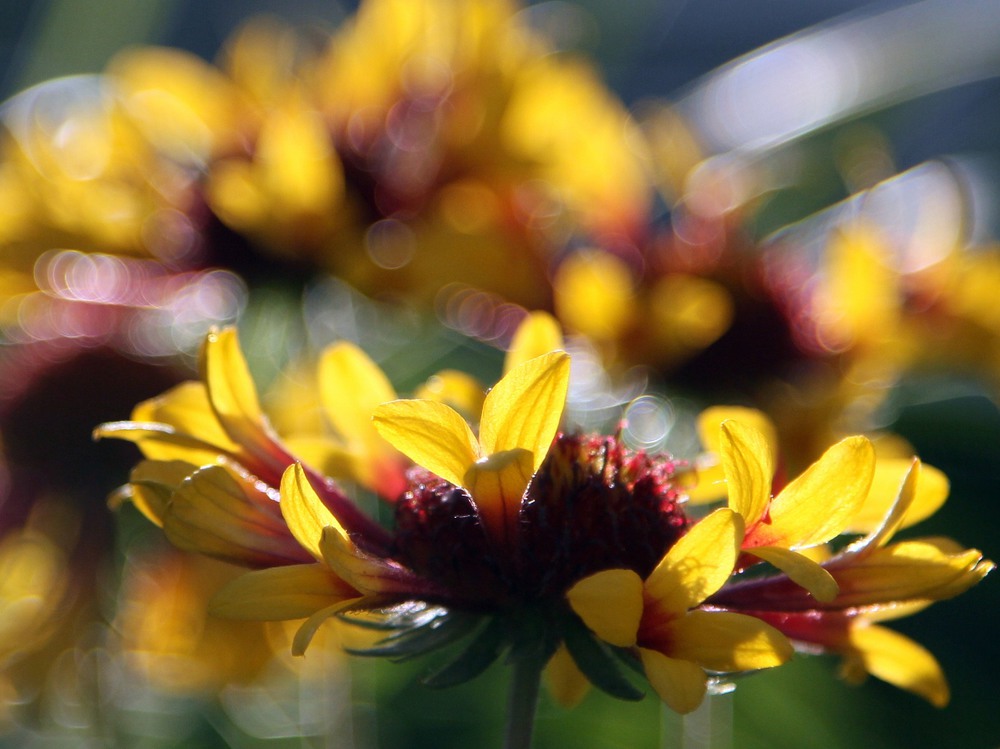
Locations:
753 242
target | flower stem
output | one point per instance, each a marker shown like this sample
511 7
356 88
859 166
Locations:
522 700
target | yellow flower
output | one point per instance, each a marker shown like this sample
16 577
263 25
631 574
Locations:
676 639
553 547
809 511
211 458
875 581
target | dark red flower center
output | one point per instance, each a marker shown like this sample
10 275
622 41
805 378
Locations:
593 505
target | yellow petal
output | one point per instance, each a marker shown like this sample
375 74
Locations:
906 571
610 604
430 434
707 481
723 641
365 573
749 468
304 511
698 564
222 515
524 409
564 679
680 684
304 635
233 394
351 386
710 426
931 493
497 486
153 483
900 661
160 442
893 519
801 569
538 334
187 409
819 503
290 592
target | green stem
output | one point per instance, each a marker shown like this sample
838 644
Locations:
522 699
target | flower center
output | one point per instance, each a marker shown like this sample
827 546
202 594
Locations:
593 505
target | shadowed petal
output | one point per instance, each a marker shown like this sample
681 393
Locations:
223 515
305 633
564 679
497 485
680 684
804 571
280 593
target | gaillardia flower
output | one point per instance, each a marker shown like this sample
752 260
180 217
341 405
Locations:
510 536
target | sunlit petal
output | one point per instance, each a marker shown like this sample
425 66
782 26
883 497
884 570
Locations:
304 511
610 604
908 570
819 503
893 518
187 409
226 516
524 409
900 661
723 641
698 564
749 467
366 573
152 484
431 434
233 396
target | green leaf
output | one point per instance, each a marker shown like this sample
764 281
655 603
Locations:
597 661
475 658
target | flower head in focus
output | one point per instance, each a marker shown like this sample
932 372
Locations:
493 529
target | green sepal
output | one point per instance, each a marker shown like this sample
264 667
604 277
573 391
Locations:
484 648
437 632
394 616
597 661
